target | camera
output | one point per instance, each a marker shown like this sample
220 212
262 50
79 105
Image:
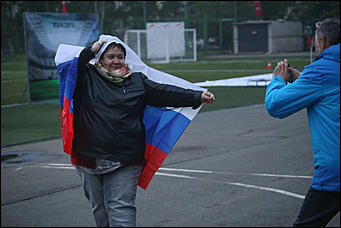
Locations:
291 77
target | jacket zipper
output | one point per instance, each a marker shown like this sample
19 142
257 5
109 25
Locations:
125 93
123 101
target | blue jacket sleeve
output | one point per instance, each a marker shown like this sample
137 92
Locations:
282 100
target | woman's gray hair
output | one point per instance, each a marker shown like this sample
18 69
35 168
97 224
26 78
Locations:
329 29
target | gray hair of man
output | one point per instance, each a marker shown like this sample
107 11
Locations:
330 29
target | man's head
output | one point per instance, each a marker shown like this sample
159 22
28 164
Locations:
327 33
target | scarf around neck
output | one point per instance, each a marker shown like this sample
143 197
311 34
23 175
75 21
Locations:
115 75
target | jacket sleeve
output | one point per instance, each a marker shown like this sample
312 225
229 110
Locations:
164 95
84 57
282 100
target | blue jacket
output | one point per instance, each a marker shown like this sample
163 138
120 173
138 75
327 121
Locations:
318 90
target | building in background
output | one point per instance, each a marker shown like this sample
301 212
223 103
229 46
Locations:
268 36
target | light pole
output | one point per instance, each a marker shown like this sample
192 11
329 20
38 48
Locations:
185 11
144 14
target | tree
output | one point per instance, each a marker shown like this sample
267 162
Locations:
311 11
273 10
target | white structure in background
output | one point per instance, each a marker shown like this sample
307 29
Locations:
254 80
268 36
163 42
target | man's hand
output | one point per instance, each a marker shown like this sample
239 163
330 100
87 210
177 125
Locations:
282 70
295 73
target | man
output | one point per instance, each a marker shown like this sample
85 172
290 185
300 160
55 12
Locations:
317 89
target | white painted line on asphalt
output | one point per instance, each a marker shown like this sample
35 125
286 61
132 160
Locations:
268 189
50 165
279 175
69 166
239 184
58 164
229 173
174 175
56 167
186 170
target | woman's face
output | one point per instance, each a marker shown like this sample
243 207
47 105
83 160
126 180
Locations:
112 59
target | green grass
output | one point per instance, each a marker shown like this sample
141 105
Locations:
25 123
234 96
13 85
223 69
13 79
13 62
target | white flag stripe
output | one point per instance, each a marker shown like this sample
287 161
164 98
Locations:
66 53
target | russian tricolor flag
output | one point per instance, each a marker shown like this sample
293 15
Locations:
164 126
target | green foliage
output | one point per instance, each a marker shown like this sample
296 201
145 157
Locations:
311 11
273 10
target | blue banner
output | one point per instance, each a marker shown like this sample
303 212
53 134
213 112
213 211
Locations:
43 34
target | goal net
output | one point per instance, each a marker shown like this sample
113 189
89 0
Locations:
163 42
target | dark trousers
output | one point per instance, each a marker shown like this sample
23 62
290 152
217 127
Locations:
318 208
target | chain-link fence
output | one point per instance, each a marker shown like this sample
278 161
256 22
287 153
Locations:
213 20
212 33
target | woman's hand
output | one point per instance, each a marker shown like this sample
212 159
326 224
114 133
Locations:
97 46
207 97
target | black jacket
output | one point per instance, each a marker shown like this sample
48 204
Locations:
108 116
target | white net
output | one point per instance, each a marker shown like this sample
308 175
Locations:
164 47
136 40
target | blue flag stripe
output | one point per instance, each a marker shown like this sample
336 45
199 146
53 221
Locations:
164 127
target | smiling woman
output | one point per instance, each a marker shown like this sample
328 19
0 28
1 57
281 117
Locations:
111 63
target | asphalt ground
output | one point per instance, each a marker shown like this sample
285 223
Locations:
235 167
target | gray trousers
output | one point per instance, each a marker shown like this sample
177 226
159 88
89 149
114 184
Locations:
112 195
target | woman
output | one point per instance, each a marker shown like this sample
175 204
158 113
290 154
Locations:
109 134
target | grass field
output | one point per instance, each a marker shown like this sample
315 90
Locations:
26 123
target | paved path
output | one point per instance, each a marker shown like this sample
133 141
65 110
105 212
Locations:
233 167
